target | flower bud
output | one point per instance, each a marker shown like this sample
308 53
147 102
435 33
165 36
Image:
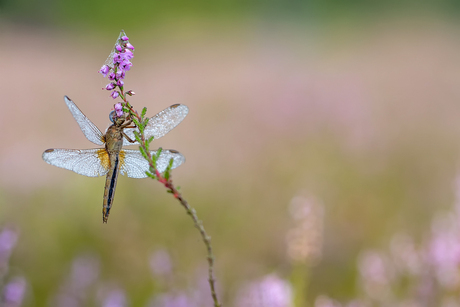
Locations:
110 86
104 70
114 94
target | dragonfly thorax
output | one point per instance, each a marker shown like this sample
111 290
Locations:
114 138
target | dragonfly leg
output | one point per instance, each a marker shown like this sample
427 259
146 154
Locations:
128 138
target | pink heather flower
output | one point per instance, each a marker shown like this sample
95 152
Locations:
130 93
129 46
270 291
119 48
8 238
125 38
112 76
116 298
13 292
161 264
114 94
120 83
119 109
110 86
118 58
120 74
84 272
126 65
128 54
104 70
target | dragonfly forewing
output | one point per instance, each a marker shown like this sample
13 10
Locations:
160 124
90 130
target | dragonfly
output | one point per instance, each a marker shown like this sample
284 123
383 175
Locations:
112 159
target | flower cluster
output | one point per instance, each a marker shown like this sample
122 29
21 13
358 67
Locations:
117 65
305 239
410 273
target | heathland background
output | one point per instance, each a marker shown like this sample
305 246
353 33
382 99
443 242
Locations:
350 109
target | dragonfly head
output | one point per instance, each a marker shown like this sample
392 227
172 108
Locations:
112 116
116 120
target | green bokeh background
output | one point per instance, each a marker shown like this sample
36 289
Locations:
277 123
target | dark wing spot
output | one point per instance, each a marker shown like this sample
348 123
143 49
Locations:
49 150
174 106
173 151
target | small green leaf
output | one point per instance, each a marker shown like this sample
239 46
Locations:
137 136
150 175
150 139
141 128
158 153
144 154
154 161
146 121
136 122
144 111
168 169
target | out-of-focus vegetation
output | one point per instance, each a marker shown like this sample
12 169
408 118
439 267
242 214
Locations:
322 149
147 15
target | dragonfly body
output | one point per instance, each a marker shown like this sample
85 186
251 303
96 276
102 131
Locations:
113 144
113 159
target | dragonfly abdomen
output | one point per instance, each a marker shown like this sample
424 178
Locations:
110 185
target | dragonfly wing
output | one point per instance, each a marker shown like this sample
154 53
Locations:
134 164
87 162
92 133
161 123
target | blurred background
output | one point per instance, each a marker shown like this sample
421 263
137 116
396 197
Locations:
322 150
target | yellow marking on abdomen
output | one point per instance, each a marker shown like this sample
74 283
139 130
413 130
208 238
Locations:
103 158
121 158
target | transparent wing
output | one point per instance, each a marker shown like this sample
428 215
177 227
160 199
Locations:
92 133
109 61
134 165
87 162
161 123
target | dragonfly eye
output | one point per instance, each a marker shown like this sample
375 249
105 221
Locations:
112 116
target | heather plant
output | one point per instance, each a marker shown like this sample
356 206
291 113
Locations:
14 289
115 298
304 242
115 68
411 273
75 290
269 291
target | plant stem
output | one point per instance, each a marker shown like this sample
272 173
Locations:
190 211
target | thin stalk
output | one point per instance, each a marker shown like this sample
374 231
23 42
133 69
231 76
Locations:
190 210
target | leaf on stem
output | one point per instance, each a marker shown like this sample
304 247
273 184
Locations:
149 174
143 152
168 169
137 136
136 122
